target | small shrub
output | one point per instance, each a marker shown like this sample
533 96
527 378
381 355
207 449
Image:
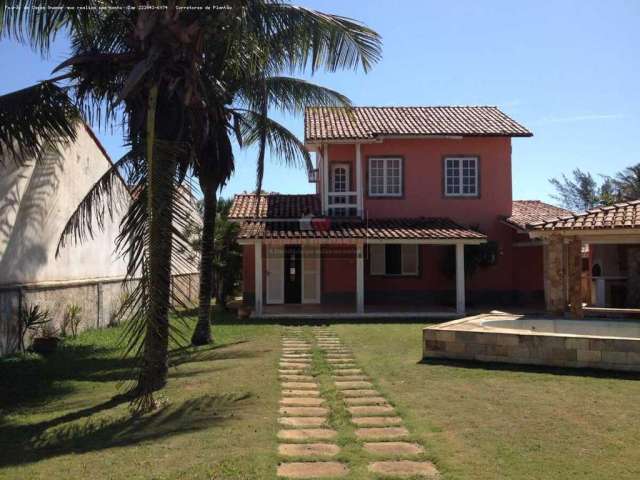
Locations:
71 320
32 320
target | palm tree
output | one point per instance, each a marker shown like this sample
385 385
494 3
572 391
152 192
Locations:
249 63
177 77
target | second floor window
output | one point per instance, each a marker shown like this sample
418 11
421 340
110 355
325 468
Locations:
340 178
385 177
461 177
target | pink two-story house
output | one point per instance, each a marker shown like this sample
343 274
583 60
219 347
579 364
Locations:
413 214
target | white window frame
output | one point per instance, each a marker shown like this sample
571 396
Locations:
347 183
380 248
385 179
459 160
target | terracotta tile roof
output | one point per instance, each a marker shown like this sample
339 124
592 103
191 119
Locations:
336 123
382 229
618 216
525 212
274 205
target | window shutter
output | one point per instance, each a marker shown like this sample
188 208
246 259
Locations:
409 259
376 259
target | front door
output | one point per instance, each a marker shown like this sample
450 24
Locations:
292 274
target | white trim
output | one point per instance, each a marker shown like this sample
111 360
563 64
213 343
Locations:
258 277
460 293
360 278
359 187
353 241
347 183
461 176
385 160
325 179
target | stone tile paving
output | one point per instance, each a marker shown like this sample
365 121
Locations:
306 441
377 424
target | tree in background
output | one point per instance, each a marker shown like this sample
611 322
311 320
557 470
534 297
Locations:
581 191
227 253
627 183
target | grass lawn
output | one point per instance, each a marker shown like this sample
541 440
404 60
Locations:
57 420
481 423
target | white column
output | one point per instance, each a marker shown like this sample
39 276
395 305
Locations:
258 283
359 189
325 179
460 300
360 278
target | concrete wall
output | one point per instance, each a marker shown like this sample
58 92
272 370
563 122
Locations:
99 301
35 203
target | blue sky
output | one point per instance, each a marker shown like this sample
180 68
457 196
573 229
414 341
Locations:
567 70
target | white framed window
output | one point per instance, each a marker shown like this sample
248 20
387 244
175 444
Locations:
394 259
385 177
340 177
461 177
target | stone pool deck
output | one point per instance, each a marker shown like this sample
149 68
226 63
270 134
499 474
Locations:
468 339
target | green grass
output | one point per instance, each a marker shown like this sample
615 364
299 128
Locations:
500 423
58 419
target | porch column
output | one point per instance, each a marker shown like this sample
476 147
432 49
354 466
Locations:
554 291
258 271
359 278
359 190
460 298
575 277
325 179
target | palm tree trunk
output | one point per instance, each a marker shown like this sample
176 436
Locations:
202 332
153 374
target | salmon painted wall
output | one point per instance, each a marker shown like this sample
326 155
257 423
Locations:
338 269
423 168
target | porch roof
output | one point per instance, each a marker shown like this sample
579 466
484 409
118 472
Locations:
621 216
527 212
274 205
428 230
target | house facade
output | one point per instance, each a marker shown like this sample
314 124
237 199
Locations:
413 212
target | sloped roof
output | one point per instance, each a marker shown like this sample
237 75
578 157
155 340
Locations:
361 123
525 212
274 205
379 229
624 215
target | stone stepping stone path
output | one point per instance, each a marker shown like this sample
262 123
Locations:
385 441
304 415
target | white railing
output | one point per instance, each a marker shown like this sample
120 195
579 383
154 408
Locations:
342 204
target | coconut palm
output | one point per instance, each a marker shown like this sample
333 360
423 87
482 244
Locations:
251 63
182 80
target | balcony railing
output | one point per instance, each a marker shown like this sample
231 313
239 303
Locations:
342 204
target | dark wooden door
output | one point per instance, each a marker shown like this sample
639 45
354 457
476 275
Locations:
292 274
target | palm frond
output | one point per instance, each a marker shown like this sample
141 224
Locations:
106 198
35 119
291 95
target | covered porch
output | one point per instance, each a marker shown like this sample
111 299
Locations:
339 271
575 280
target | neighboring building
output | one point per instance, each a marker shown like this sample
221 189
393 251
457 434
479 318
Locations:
36 201
401 192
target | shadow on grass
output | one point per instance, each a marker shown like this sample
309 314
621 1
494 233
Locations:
22 444
28 380
542 369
